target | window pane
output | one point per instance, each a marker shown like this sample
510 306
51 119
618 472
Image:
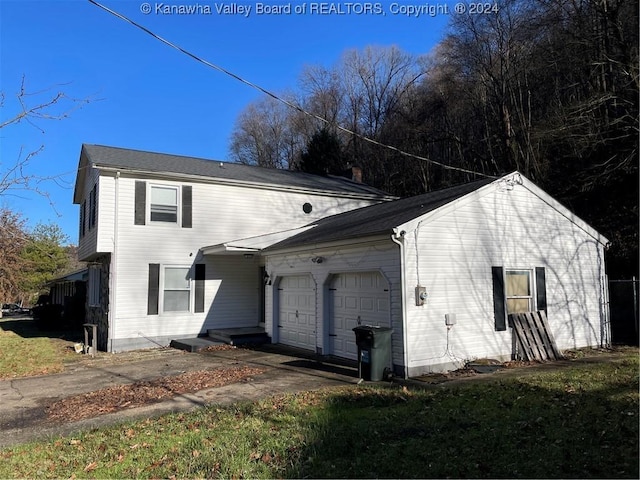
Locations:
176 301
164 195
518 284
517 305
176 278
163 213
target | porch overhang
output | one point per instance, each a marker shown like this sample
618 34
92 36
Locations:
252 245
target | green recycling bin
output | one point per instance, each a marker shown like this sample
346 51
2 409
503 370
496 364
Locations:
374 352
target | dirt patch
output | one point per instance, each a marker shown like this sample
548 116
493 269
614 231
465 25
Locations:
121 397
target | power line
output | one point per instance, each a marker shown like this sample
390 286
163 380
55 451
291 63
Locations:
282 100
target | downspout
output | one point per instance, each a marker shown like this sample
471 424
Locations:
398 238
114 263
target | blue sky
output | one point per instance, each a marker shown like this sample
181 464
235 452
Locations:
145 95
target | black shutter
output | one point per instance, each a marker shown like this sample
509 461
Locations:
83 218
499 300
199 300
93 196
154 289
140 203
186 206
541 290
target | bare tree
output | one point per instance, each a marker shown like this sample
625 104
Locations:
32 108
263 135
359 93
15 176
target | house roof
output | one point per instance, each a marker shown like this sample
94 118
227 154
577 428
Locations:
384 218
252 244
123 159
73 276
377 219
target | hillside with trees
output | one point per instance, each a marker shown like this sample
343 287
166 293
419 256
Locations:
546 87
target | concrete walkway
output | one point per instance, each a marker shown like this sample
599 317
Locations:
23 400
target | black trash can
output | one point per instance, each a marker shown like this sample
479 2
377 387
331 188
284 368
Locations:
374 352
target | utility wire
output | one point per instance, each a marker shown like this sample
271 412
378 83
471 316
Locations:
282 100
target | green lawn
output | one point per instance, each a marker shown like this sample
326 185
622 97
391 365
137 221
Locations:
578 422
27 351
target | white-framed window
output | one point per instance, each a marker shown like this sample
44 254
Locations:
94 286
519 291
163 205
176 289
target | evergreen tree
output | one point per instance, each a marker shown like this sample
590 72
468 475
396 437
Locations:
323 155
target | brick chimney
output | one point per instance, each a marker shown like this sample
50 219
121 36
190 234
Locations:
356 174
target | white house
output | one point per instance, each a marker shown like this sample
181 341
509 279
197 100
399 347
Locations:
182 245
144 218
443 270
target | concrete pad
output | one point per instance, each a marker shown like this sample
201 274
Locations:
23 401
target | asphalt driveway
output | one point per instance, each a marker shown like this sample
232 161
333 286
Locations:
23 401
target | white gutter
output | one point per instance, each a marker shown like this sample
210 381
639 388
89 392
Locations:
244 183
113 270
398 237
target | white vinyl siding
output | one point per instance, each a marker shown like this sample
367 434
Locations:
458 245
220 214
97 216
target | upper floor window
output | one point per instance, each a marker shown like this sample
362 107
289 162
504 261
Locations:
164 204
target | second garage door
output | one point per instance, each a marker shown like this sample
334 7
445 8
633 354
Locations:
297 311
359 297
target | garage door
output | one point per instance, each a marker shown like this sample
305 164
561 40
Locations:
361 297
297 319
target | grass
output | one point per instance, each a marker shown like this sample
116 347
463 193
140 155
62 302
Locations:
576 422
26 351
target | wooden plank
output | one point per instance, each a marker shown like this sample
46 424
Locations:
522 337
533 336
552 341
537 339
518 352
544 336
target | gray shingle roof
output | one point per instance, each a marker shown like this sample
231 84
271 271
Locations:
378 219
127 159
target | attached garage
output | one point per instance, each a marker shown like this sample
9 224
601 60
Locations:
297 311
441 269
355 298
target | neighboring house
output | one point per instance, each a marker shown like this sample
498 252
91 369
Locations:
65 287
65 303
475 252
145 218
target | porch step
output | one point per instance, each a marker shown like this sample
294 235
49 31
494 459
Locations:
194 344
240 336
